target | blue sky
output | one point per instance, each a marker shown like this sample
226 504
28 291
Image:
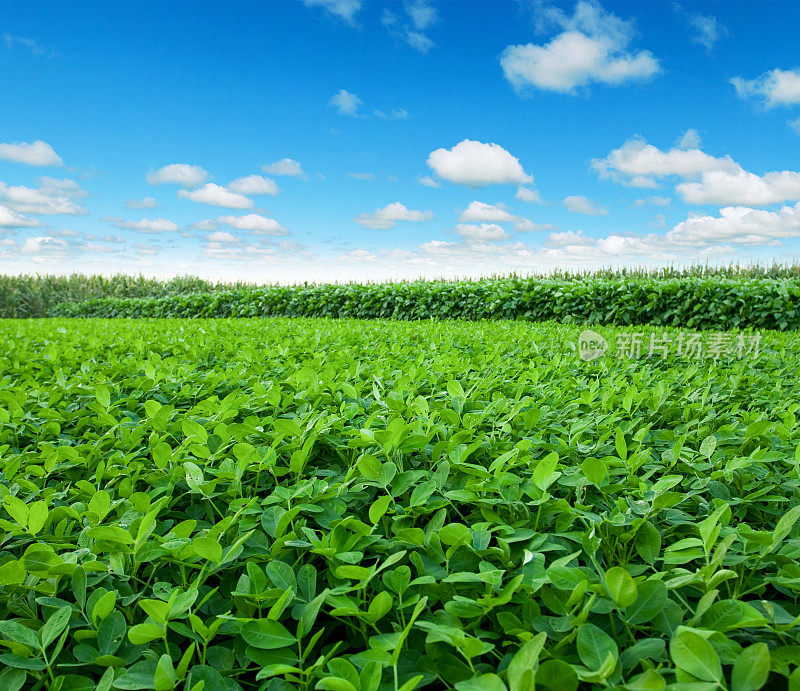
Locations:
349 139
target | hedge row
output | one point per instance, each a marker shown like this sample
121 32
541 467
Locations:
693 302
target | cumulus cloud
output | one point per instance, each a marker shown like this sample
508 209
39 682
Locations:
482 213
639 164
476 164
37 245
36 153
254 184
579 204
690 139
221 236
258 225
739 225
369 177
795 125
740 187
286 166
388 217
343 9
593 46
569 238
11 219
144 203
774 88
182 174
478 212
51 198
482 232
346 103
525 194
216 195
146 225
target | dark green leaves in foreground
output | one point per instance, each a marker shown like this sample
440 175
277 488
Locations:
354 506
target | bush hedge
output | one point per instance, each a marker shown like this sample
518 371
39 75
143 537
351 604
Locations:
710 302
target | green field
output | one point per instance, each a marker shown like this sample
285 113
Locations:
373 505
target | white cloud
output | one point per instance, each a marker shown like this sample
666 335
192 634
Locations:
741 187
568 238
421 16
388 217
690 139
11 219
344 9
49 199
146 225
37 153
258 225
639 164
479 212
525 194
286 166
182 174
394 114
738 224
482 232
362 176
144 203
795 125
216 195
592 47
254 184
579 204
37 245
346 103
221 236
523 225
776 87
207 224
706 30
428 181
476 164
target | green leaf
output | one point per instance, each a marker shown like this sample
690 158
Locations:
207 548
523 666
621 586
751 668
595 646
378 508
455 534
484 682
266 634
19 633
695 655
55 625
650 600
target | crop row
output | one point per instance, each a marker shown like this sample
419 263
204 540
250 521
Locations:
221 505
695 302
25 296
